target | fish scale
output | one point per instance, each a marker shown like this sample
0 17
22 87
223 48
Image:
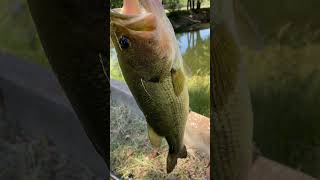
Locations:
232 121
163 104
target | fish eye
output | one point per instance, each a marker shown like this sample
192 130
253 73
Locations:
124 42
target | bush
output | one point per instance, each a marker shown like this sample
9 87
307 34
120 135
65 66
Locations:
115 3
172 5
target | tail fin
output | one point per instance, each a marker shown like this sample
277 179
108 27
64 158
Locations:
173 157
183 152
171 162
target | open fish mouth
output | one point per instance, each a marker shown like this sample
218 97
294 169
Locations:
133 16
142 35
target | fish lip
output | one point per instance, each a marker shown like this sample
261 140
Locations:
116 14
128 21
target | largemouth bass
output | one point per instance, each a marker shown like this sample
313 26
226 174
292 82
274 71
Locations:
232 120
152 66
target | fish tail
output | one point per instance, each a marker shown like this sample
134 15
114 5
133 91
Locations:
173 158
183 152
171 162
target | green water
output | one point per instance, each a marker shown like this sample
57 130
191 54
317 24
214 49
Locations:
194 47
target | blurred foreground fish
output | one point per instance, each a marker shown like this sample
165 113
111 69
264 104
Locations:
73 36
152 66
232 119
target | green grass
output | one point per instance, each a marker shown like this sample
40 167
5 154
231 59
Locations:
131 150
199 94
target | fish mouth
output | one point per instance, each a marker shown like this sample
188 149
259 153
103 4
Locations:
118 13
133 18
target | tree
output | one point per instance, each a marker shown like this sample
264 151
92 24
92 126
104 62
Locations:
116 3
191 4
171 5
199 4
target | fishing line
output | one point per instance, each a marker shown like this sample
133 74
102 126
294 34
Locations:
114 177
145 88
103 62
119 45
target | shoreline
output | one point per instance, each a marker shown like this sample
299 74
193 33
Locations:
186 20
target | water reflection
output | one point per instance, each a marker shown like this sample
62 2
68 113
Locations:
189 40
195 50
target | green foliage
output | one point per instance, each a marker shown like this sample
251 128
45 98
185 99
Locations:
116 3
172 5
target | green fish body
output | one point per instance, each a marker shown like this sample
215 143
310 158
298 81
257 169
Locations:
150 62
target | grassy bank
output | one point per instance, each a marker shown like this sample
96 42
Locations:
131 151
186 20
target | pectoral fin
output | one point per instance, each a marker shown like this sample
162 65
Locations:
178 80
154 138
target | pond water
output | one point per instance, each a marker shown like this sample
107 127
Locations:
195 49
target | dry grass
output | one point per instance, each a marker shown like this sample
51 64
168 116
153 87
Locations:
131 151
